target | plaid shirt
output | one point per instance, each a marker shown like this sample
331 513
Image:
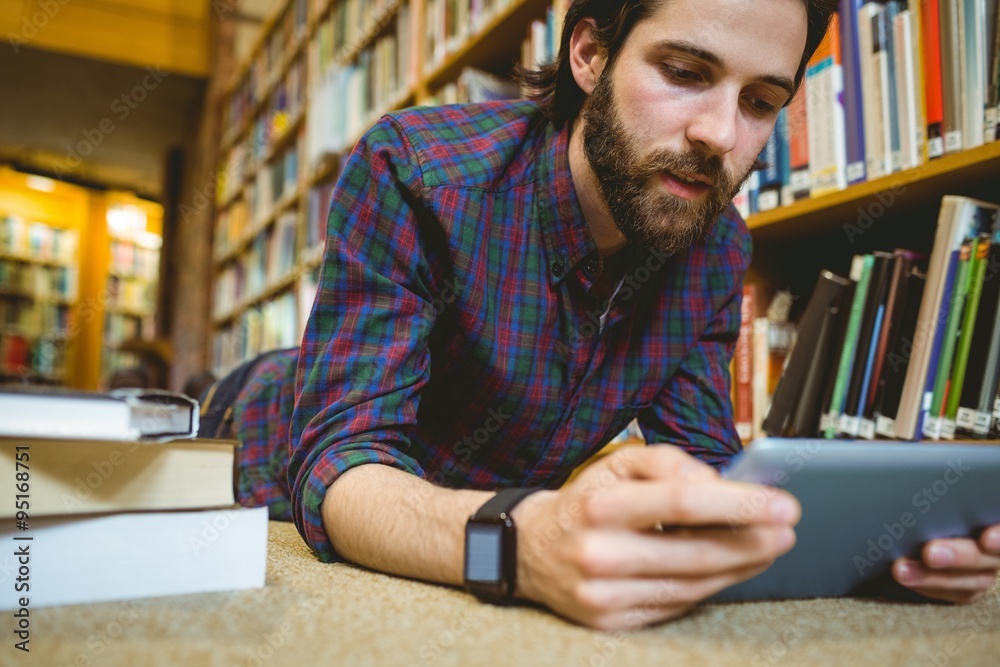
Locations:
454 336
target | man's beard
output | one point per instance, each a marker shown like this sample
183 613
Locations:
647 215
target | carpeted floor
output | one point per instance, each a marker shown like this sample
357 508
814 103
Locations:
315 614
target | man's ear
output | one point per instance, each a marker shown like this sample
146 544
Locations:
586 57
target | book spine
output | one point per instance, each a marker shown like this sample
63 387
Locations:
743 417
872 60
853 104
972 41
933 83
918 88
867 426
951 73
929 318
861 275
976 278
954 301
891 107
993 79
826 118
894 372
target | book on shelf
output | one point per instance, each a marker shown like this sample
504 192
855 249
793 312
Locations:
79 476
893 84
123 414
974 413
131 555
959 218
818 323
915 354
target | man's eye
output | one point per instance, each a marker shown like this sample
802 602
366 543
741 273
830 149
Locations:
760 106
680 74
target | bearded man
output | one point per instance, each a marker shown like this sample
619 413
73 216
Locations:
507 285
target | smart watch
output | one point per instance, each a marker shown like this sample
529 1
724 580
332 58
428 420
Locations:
491 548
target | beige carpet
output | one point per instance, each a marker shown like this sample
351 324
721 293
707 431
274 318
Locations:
315 614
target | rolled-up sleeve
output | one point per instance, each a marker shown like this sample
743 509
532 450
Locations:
364 355
694 409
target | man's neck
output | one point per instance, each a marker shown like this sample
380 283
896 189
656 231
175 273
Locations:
595 211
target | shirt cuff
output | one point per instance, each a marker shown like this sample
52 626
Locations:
334 462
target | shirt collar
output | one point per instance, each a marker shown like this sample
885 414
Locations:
565 232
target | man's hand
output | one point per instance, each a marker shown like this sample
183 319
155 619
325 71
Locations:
956 570
594 552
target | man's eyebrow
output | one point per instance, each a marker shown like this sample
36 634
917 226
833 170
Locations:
713 59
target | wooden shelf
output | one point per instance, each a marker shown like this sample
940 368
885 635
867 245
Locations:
270 291
254 230
14 257
959 173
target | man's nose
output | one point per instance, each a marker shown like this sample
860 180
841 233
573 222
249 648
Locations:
713 128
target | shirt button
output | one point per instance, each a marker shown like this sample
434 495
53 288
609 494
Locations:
593 265
558 269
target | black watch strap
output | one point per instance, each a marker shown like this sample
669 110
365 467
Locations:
491 548
503 502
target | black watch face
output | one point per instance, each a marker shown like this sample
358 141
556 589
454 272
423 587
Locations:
483 552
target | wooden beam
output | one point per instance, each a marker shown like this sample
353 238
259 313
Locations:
167 34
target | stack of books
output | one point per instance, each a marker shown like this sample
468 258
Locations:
905 347
111 497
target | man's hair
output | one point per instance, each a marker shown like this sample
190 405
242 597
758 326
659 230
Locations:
553 85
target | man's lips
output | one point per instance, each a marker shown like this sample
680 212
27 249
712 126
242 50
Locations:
681 187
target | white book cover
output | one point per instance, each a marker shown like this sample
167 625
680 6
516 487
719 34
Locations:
876 148
103 557
974 73
906 91
826 123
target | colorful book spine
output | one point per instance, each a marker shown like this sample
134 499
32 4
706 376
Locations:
930 27
826 120
854 119
944 340
954 393
861 269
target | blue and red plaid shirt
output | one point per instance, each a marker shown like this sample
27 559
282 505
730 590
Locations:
454 334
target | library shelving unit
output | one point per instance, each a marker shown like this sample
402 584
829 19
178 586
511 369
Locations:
319 74
130 293
793 243
42 225
65 292
322 71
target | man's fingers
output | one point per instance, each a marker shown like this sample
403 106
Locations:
958 553
605 597
654 462
680 553
642 504
917 576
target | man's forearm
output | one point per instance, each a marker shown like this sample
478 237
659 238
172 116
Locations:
392 521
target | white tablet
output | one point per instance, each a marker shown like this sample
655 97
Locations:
864 504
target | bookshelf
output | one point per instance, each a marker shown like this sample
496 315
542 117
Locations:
73 291
132 282
285 126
